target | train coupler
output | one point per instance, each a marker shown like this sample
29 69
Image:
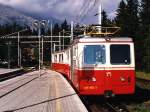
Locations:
109 94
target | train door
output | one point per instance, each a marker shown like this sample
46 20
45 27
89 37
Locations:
73 62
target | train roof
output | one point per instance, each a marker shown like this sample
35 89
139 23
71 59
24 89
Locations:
89 39
102 39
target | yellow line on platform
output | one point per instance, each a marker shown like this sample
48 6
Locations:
58 103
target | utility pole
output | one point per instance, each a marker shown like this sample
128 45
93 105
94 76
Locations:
42 52
39 36
63 40
9 54
100 17
20 58
71 40
54 47
18 49
51 42
71 52
59 41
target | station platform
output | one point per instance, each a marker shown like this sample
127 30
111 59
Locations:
6 71
34 92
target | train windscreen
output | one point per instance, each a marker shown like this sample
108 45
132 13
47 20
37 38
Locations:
120 54
94 54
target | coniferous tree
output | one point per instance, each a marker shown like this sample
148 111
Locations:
64 25
104 19
132 18
56 29
122 17
127 18
145 34
106 22
134 30
146 57
145 17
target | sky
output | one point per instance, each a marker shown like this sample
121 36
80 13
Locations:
76 10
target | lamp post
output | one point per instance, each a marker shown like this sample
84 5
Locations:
38 25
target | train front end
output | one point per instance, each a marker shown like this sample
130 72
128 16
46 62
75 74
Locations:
106 67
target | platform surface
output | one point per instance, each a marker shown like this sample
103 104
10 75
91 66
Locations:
29 93
4 71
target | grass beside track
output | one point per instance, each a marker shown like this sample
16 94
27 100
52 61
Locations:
143 75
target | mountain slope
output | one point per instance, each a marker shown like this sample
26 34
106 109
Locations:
9 15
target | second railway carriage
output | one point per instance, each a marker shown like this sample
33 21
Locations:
98 66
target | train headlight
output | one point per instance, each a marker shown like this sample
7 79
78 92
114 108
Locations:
122 79
93 79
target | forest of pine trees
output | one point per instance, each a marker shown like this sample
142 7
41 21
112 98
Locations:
131 15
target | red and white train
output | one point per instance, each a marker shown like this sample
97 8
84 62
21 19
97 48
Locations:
98 66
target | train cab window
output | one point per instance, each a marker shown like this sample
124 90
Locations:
94 54
120 54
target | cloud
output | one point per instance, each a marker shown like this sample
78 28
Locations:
60 8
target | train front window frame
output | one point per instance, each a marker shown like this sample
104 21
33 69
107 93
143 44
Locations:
94 54
120 54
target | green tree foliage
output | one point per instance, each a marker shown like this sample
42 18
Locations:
145 17
65 30
122 17
105 21
133 30
145 33
132 18
146 58
56 29
127 18
65 26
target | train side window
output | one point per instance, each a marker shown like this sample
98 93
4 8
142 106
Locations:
59 57
55 58
120 54
62 57
68 55
74 51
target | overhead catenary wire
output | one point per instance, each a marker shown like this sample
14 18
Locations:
91 6
85 9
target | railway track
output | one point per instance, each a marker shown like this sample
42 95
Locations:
96 104
143 80
115 107
10 75
18 84
119 103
